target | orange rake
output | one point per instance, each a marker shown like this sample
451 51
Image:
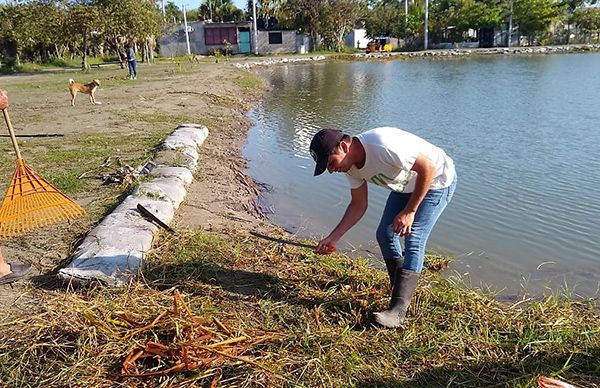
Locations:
31 202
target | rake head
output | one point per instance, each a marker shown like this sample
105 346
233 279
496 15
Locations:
31 202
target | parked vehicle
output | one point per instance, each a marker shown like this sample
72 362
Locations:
379 44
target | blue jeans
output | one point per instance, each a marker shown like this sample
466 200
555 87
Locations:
132 68
429 211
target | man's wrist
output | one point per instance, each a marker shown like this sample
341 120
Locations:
333 238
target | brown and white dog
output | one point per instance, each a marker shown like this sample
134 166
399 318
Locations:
75 87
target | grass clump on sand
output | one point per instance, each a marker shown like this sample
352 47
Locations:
305 320
249 81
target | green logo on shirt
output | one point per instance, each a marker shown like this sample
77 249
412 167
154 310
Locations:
391 183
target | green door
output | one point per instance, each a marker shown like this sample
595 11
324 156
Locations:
245 42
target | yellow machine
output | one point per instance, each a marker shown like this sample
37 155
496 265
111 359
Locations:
379 44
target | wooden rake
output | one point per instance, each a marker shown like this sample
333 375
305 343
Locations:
31 202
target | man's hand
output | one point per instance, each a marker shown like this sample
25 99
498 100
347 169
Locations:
425 170
3 100
403 222
354 212
326 246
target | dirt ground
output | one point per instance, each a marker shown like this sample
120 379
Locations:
163 96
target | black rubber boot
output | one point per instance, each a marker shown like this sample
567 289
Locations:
18 271
404 287
392 265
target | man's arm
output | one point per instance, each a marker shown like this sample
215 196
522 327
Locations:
425 170
354 212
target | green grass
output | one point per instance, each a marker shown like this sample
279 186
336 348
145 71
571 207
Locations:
317 313
57 63
67 182
250 81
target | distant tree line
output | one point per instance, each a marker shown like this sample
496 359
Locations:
328 21
48 30
539 21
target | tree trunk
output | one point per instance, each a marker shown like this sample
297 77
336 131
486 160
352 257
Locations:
146 52
115 44
315 40
340 40
152 46
84 53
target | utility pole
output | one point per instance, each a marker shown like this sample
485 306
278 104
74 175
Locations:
510 25
426 33
405 17
210 9
162 7
255 28
187 35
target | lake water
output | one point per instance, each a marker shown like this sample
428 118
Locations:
524 132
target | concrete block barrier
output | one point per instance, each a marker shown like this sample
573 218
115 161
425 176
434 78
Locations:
114 250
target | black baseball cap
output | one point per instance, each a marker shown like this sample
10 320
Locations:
323 142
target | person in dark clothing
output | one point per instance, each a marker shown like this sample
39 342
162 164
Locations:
131 62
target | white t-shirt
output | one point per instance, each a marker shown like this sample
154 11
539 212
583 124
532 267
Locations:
390 155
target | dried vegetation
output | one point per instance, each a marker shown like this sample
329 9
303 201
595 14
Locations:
257 312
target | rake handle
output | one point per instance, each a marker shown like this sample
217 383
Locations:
11 131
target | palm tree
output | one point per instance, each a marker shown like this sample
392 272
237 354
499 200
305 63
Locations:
220 11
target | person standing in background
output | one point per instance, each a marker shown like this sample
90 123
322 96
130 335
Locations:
131 62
